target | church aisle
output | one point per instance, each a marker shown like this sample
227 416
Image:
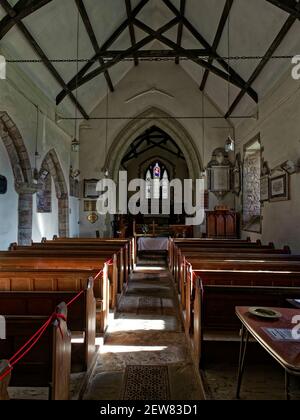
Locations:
146 356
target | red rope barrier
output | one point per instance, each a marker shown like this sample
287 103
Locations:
28 346
75 298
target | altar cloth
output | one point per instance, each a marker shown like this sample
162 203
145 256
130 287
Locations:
153 244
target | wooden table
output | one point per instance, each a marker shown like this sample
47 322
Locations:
294 302
286 353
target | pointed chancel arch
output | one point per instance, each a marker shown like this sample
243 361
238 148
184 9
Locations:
154 117
52 165
21 167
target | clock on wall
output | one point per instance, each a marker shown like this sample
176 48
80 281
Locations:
3 184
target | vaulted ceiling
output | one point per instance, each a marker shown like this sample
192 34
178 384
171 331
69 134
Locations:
115 35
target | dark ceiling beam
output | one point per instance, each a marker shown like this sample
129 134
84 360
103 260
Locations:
229 78
38 50
104 47
161 146
220 30
180 26
131 27
275 44
203 41
88 26
116 60
289 6
21 10
111 54
127 159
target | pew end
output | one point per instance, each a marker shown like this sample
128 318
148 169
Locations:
4 366
61 357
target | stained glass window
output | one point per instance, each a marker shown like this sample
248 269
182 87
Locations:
157 182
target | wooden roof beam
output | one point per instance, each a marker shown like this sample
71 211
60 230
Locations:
88 26
21 10
220 30
275 44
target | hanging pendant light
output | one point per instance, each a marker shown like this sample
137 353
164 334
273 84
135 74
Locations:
35 174
229 143
75 145
204 171
106 171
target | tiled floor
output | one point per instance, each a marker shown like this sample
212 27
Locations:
146 331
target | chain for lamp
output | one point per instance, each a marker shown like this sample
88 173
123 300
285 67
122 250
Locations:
149 59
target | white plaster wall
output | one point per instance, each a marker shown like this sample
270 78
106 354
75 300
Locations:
279 127
18 97
45 225
74 217
182 98
8 204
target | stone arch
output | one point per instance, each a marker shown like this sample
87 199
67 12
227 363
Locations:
21 167
164 121
52 165
16 150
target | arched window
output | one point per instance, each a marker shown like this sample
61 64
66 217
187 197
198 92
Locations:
157 182
148 185
165 186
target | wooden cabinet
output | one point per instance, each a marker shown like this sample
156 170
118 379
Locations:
222 223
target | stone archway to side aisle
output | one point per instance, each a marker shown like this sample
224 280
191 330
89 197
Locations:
52 165
21 167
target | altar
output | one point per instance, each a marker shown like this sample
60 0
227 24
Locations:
153 244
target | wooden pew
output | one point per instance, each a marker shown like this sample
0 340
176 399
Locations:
118 273
72 271
186 250
210 301
48 364
127 244
27 274
81 316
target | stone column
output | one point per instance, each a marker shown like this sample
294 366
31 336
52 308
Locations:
25 192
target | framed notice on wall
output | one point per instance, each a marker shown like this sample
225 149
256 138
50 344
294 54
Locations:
90 188
279 188
219 179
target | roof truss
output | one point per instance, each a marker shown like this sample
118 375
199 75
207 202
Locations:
131 27
88 26
38 50
107 58
275 44
21 10
229 74
289 6
220 30
180 26
151 139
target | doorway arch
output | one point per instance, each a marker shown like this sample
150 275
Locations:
164 121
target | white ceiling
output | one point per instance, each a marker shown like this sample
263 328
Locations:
253 26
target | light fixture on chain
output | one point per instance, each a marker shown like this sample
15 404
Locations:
105 169
204 171
35 174
229 143
75 145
